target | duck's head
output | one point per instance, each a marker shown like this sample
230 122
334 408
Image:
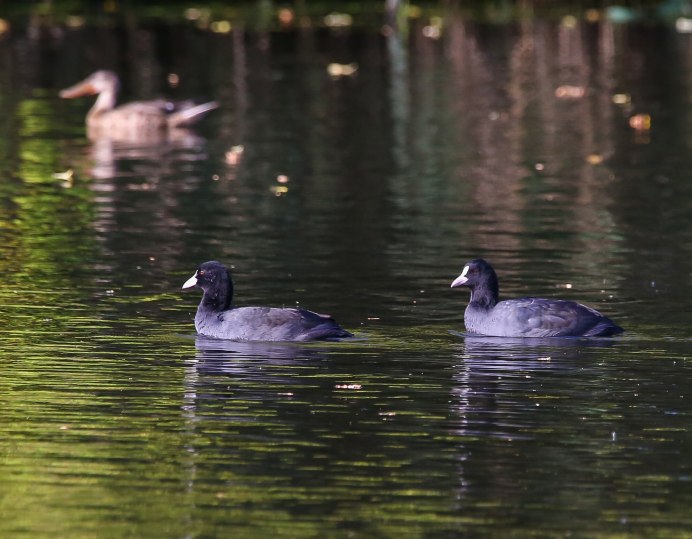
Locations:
96 83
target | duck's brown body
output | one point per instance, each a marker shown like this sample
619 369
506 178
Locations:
139 120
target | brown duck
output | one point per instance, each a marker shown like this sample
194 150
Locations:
139 120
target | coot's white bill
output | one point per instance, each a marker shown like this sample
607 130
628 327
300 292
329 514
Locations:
192 281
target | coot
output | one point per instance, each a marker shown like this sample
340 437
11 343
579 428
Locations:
216 318
525 317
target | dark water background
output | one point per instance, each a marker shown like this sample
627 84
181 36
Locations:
453 139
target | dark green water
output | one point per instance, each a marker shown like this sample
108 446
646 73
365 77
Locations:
117 421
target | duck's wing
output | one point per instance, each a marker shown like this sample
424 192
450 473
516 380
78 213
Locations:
189 114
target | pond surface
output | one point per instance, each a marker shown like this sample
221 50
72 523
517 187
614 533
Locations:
559 151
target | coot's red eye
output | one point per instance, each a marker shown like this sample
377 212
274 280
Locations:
200 273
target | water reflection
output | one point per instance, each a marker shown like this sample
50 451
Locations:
499 373
480 346
230 355
107 158
528 400
261 413
239 372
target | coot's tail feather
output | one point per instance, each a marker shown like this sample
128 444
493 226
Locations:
324 328
604 328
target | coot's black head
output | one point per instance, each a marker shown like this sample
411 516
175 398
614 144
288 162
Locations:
481 278
215 279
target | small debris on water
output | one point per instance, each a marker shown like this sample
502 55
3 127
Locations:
570 92
683 25
67 175
286 16
173 80
434 29
221 27
640 122
278 190
569 21
336 70
338 20
234 155
348 386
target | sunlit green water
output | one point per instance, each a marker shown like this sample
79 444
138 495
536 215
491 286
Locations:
117 421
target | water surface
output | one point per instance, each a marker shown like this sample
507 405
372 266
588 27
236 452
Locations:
511 142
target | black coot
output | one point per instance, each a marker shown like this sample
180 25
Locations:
525 317
216 318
